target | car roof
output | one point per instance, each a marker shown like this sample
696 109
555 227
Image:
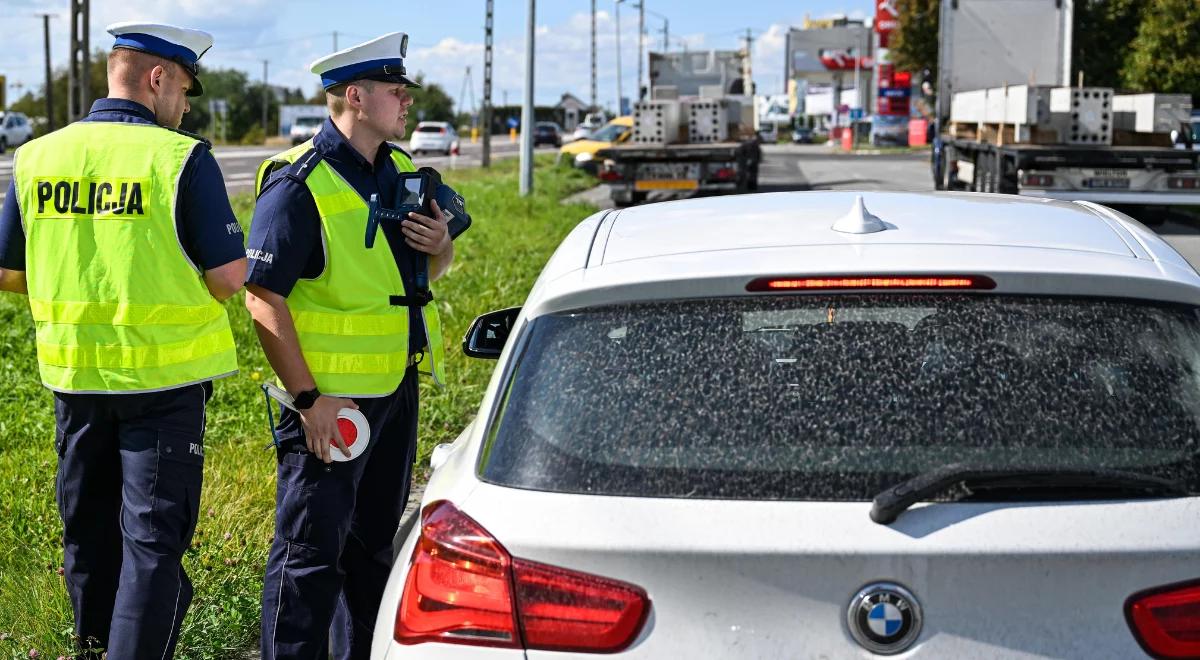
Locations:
716 245
433 123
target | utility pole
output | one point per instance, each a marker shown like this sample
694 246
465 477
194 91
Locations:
264 100
617 7
747 78
49 81
485 159
467 88
527 108
594 55
335 48
641 39
79 96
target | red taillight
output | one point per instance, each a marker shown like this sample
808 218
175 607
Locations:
461 585
1038 180
458 588
1183 183
1166 620
610 175
871 282
725 174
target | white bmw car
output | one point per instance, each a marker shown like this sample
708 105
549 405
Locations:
816 425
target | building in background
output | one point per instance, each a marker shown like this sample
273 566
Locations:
829 70
572 110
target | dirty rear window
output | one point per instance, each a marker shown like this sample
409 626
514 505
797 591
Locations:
838 397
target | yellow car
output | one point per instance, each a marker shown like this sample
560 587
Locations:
581 153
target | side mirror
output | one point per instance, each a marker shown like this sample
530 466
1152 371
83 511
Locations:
624 136
489 332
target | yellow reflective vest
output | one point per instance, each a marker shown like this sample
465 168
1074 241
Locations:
353 339
117 304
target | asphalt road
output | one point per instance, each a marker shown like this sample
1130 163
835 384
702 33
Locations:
784 168
817 167
239 164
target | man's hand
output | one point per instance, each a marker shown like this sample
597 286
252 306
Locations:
320 426
426 234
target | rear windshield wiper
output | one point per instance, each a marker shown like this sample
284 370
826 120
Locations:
889 504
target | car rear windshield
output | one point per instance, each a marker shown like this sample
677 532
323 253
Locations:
838 397
431 129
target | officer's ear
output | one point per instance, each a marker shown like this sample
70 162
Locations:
159 76
354 96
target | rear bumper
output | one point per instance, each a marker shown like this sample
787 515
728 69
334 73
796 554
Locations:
1115 197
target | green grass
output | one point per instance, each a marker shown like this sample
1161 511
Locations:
495 265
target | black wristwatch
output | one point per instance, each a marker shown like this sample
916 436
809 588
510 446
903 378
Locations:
305 400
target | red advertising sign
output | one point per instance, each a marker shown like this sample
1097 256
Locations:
886 16
841 59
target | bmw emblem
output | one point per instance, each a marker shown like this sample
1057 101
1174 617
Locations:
884 617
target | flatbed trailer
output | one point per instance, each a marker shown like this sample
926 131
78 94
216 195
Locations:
1153 176
634 171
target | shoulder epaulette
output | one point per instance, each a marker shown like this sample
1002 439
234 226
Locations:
194 136
303 166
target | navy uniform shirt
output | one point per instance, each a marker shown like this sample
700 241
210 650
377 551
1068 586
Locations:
204 221
285 237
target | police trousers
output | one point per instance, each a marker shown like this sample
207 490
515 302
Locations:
130 468
334 526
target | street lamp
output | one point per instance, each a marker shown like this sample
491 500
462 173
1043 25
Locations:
617 10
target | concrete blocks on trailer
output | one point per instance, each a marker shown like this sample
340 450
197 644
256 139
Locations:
708 120
656 122
1151 113
1083 115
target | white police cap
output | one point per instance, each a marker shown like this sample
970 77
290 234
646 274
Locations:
378 59
182 45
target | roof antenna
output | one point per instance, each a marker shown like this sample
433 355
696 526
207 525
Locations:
859 220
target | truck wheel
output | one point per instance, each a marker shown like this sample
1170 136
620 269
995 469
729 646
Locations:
639 197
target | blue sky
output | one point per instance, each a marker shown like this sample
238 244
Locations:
446 36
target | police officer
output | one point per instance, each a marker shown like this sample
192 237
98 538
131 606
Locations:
119 229
343 326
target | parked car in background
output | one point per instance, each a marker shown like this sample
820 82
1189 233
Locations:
581 153
768 133
433 136
592 122
802 135
823 425
15 130
305 128
547 132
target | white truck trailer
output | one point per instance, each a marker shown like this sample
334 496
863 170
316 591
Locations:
696 133
1010 122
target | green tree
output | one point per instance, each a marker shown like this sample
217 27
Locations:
224 84
1101 39
914 43
430 103
1165 54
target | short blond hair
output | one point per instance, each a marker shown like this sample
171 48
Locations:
335 97
127 67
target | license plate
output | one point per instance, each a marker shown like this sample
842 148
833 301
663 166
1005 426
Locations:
667 171
1105 182
667 184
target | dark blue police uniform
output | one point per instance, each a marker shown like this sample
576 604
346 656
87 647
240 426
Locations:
334 523
130 465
